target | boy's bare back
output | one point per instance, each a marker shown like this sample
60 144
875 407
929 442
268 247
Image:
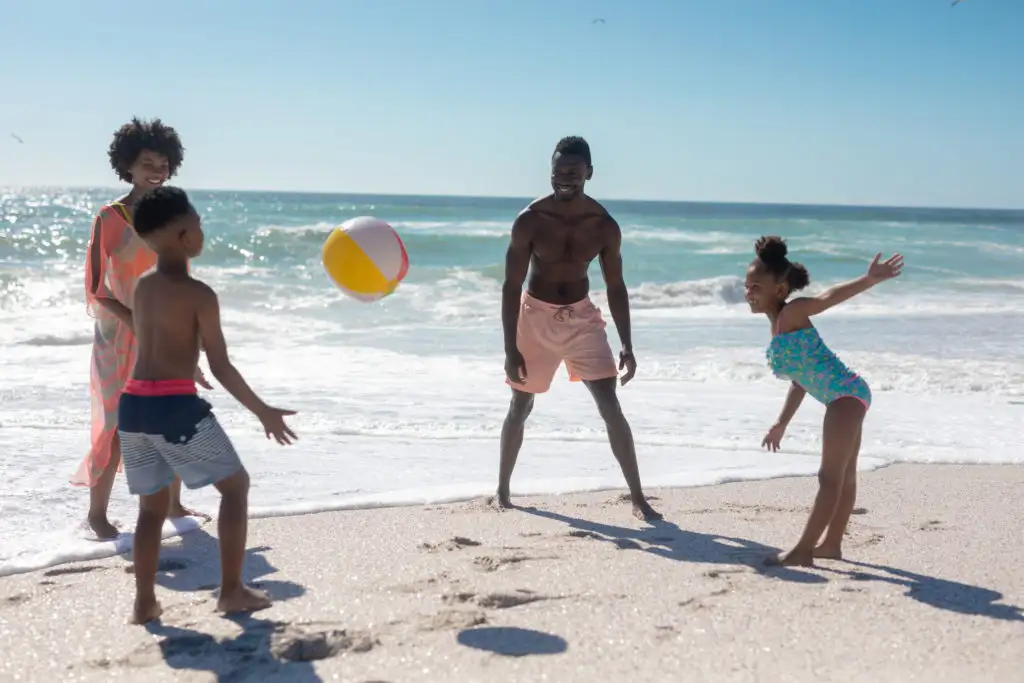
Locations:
167 312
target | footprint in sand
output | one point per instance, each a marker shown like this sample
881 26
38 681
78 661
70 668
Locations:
873 539
453 619
454 543
294 645
15 599
933 525
67 571
492 564
520 596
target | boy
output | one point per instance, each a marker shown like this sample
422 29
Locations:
165 428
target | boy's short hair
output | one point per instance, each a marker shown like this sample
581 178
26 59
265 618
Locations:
158 207
138 135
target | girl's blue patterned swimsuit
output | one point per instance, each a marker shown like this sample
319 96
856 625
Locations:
802 357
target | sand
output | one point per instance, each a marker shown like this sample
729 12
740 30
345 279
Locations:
568 588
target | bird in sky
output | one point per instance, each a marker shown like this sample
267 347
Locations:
17 138
597 21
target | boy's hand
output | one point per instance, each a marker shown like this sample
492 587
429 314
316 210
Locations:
201 379
273 424
773 439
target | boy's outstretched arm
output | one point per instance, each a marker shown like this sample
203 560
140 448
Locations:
833 296
211 337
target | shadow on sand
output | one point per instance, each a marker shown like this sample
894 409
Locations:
953 596
249 656
667 540
194 565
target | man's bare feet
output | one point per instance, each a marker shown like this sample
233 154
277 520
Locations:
794 558
829 552
242 599
102 527
502 500
643 511
179 510
145 611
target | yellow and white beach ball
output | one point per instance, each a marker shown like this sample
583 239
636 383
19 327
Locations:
365 257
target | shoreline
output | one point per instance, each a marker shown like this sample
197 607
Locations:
568 588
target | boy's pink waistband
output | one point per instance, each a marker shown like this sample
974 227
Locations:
160 387
538 303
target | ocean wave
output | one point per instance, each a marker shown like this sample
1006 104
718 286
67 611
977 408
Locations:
58 340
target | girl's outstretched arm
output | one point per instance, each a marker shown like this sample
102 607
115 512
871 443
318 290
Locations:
877 272
794 397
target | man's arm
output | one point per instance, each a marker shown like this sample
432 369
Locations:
212 338
517 264
615 285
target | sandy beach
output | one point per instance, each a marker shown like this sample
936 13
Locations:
567 588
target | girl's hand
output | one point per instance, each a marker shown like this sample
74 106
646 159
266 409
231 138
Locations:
887 269
773 439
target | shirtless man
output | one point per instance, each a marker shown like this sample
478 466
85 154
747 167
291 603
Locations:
166 430
554 321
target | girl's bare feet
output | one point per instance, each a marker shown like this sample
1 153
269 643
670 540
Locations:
146 611
794 558
829 552
242 599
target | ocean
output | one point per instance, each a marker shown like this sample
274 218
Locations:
401 402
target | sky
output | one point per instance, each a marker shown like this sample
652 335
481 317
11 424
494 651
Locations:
883 102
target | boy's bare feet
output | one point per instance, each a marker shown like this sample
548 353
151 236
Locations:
102 527
828 552
179 510
242 599
794 558
643 511
146 611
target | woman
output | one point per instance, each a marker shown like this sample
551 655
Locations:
145 154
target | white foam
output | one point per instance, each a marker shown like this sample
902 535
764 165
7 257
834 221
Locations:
73 546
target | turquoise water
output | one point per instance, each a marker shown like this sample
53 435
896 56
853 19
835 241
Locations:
402 400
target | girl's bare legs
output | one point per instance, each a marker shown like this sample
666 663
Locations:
843 420
99 494
832 547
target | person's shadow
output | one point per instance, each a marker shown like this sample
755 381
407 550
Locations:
954 596
247 656
194 565
665 539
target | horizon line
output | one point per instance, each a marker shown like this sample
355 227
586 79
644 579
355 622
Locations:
1004 209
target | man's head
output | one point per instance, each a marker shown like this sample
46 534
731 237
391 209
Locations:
169 224
146 153
570 167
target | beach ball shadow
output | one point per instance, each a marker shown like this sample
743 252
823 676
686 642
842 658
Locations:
512 641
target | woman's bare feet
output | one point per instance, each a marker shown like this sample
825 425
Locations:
176 511
242 599
829 552
146 611
794 558
102 527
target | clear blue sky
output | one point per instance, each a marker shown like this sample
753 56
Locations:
906 102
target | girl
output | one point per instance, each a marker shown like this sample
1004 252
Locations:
145 154
797 353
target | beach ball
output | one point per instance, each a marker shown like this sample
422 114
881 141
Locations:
365 258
